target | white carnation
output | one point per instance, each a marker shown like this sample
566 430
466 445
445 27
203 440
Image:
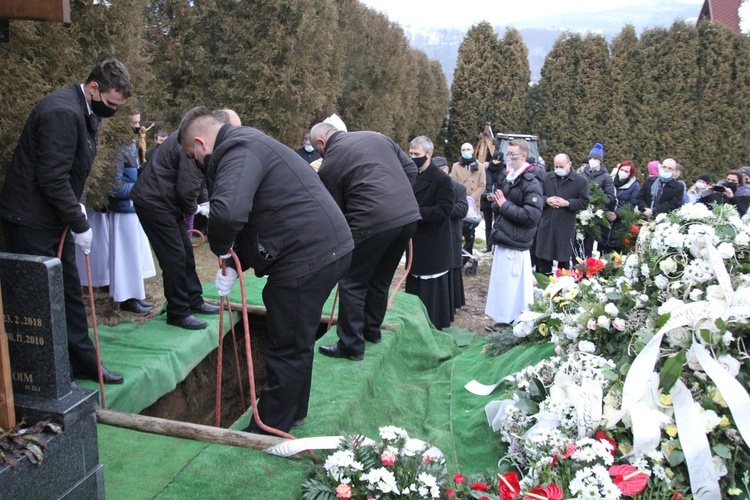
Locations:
726 250
586 346
603 322
696 294
742 239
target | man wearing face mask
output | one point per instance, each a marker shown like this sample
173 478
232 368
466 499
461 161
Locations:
701 188
307 152
45 181
169 190
469 172
565 194
432 241
271 206
663 193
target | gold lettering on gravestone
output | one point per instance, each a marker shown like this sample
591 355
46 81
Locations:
7 410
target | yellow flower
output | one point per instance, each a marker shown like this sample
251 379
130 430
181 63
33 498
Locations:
735 492
566 303
572 294
557 298
724 422
669 472
666 400
717 397
671 430
543 329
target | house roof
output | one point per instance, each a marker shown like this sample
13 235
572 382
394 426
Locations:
725 12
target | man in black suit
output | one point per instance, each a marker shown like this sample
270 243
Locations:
429 276
45 181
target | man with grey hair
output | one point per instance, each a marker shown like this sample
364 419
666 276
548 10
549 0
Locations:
429 277
370 178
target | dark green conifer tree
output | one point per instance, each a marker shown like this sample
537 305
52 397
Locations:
513 84
474 92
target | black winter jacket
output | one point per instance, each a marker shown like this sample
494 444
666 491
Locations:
371 179
271 203
518 218
171 182
494 174
51 163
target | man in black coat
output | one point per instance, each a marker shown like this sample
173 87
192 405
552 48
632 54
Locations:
432 248
661 194
45 181
459 211
271 205
495 175
171 187
370 178
565 194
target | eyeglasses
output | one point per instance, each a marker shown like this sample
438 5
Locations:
512 157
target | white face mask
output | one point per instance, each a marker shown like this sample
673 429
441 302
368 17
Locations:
561 171
623 175
594 165
700 186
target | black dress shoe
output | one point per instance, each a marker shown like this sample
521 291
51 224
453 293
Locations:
299 422
374 340
135 307
189 323
206 309
145 303
107 376
334 351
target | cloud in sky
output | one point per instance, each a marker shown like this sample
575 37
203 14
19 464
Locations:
464 13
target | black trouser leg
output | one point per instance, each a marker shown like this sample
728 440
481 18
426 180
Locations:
171 243
487 212
363 291
294 309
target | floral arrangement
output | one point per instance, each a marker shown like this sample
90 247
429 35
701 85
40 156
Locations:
590 220
395 467
661 334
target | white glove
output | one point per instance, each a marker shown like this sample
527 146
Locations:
203 209
224 284
83 209
83 240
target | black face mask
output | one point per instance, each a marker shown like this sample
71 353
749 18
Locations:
136 130
419 161
101 109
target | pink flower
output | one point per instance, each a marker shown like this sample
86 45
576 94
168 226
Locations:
458 479
559 350
591 324
628 479
388 458
343 491
619 324
450 493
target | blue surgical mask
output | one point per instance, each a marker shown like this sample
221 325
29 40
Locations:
308 148
466 155
665 174
561 171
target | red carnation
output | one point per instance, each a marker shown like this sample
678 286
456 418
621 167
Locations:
458 479
480 487
450 493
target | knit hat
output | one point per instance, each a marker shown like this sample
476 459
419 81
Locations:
597 151
497 155
705 178
653 168
745 170
439 161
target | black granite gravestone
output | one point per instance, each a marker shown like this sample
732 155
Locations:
34 316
